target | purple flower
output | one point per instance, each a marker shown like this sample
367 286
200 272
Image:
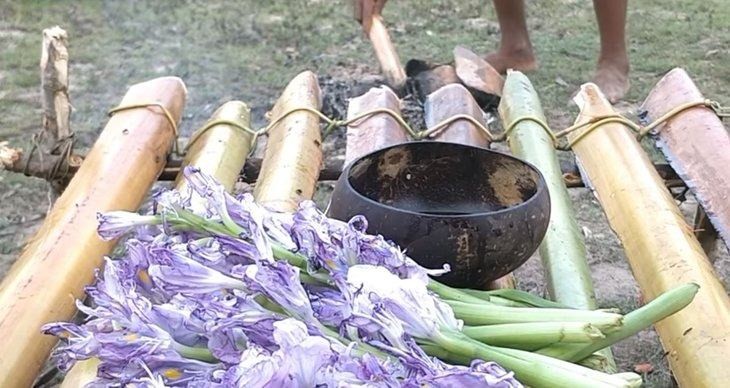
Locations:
408 300
330 306
479 374
183 275
280 282
115 224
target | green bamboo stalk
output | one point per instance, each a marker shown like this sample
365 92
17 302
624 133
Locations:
562 251
529 336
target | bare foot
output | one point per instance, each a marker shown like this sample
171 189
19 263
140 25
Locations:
517 59
613 79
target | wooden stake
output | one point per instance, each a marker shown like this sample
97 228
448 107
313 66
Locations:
696 144
387 56
451 100
60 259
293 154
659 245
373 132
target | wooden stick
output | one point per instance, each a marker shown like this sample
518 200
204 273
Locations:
696 144
293 153
659 245
374 132
60 259
54 84
562 251
387 56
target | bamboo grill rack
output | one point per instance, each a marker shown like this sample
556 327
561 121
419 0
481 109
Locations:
288 174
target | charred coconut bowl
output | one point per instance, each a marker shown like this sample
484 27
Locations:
481 211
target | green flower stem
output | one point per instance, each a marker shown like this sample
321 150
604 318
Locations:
446 292
517 297
661 307
531 369
483 314
533 335
195 353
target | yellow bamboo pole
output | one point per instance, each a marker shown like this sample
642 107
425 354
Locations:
220 151
659 245
293 153
60 259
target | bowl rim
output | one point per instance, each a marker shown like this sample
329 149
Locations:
541 183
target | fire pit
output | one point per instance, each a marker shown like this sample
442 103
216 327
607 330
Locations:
482 212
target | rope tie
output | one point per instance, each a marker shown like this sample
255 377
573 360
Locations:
168 116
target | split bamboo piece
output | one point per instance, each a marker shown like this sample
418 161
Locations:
452 100
60 259
293 155
695 143
374 132
659 245
562 251
385 52
220 152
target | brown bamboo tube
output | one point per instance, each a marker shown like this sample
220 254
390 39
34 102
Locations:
220 152
385 52
696 144
373 132
60 259
659 245
293 153
452 100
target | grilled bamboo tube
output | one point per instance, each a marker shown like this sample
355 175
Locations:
659 245
293 155
60 259
373 132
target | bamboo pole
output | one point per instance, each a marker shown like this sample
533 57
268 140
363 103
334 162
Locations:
696 144
293 155
385 52
220 152
374 132
562 251
222 149
452 100
659 245
60 259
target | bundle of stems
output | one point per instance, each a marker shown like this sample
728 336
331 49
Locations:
540 344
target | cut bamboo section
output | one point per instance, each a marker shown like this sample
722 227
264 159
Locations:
695 143
659 245
476 73
293 155
220 152
562 251
60 259
222 149
385 52
373 132
452 100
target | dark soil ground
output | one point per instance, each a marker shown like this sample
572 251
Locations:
248 50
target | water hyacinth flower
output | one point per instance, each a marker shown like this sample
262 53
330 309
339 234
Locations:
280 282
182 274
115 224
420 312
